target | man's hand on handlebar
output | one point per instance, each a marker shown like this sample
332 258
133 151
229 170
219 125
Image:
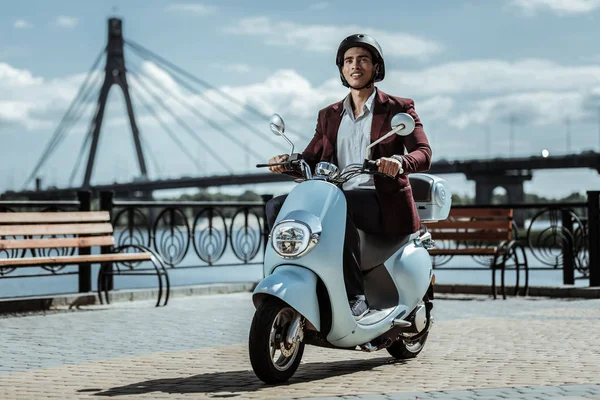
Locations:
278 169
389 166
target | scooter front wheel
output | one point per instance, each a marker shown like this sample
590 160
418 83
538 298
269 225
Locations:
273 358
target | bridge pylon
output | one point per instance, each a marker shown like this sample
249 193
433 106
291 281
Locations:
115 74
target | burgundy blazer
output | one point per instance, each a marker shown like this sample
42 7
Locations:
398 208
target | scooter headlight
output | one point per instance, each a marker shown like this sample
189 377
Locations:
292 239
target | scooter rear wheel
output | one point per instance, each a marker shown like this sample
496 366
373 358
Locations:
273 359
403 349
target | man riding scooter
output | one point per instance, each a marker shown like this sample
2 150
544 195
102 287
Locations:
376 204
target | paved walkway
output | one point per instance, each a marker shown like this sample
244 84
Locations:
197 348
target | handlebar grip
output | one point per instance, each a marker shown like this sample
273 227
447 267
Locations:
370 165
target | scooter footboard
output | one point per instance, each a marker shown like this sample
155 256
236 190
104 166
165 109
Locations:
295 285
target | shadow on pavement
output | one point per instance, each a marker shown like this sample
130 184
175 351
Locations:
244 381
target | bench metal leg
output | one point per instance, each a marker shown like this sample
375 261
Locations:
517 249
160 270
493 267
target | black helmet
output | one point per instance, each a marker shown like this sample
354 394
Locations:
367 42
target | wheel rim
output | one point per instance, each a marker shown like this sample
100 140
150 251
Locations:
282 353
415 346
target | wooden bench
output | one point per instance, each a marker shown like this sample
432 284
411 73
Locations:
486 234
51 239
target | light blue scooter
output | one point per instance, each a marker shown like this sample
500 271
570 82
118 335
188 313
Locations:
302 299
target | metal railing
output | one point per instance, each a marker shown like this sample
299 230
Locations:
557 235
190 234
194 234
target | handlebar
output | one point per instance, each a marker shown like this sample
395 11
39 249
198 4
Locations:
271 165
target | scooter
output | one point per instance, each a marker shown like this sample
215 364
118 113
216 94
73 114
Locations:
302 298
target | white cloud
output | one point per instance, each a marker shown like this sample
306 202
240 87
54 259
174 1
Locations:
326 38
22 24
192 8
560 7
480 77
67 22
31 101
10 76
537 108
319 6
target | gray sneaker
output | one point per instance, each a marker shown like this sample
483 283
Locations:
359 307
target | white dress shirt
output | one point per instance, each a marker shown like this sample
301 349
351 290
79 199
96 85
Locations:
354 135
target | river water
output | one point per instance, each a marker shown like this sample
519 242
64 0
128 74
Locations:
17 287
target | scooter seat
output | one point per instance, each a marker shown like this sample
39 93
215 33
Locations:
376 249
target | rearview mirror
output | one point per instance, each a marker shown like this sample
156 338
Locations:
277 125
404 122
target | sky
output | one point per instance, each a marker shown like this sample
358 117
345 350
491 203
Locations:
475 69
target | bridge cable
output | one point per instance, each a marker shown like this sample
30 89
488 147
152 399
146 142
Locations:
185 126
142 99
84 144
68 120
82 106
203 117
60 129
181 71
220 108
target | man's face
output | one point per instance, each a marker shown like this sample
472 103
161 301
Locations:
358 66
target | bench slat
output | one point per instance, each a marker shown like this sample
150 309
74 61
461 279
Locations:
50 217
62 229
468 251
10 244
476 236
481 212
503 225
95 258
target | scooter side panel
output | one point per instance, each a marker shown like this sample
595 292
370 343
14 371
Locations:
296 286
411 269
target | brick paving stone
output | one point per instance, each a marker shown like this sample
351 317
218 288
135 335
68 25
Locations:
196 348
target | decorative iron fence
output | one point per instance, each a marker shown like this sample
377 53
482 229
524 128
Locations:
205 234
176 230
555 234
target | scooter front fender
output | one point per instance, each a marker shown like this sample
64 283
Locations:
295 285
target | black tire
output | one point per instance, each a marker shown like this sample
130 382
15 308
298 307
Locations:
260 344
404 350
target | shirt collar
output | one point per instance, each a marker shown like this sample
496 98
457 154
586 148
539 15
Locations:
368 104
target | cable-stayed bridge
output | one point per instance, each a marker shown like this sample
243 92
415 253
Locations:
153 95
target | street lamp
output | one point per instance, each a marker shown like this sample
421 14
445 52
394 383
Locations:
545 153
